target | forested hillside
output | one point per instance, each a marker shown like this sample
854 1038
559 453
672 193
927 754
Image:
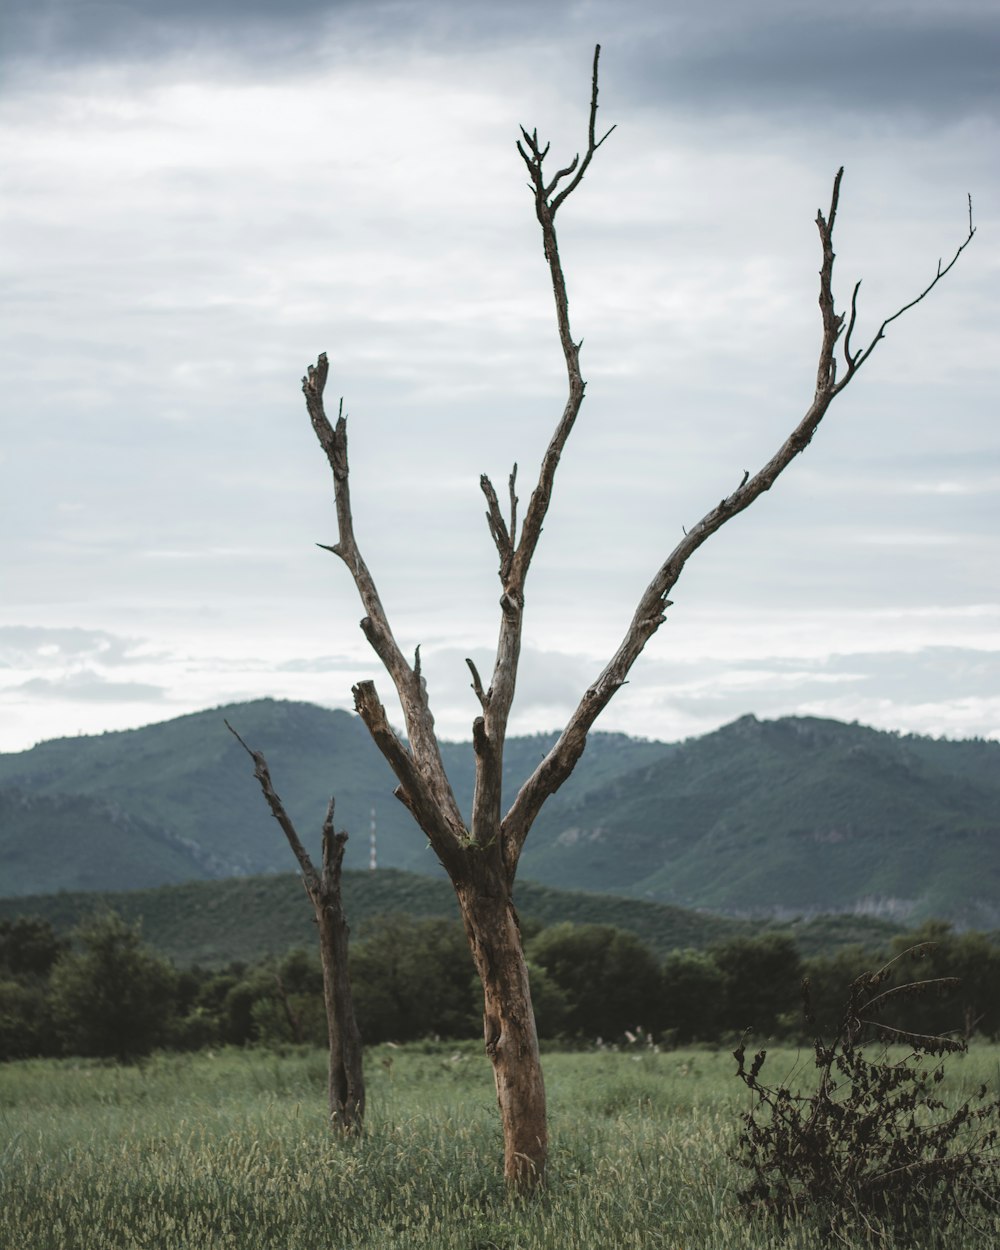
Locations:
247 918
791 816
798 815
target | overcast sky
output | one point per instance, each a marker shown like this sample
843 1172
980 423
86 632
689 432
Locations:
198 198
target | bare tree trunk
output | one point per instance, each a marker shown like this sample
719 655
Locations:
346 1082
494 934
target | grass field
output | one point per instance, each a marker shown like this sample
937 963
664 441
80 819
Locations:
232 1150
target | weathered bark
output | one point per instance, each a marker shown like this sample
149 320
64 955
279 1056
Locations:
494 935
482 858
346 1082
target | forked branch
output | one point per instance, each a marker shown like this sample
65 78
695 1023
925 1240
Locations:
534 155
649 614
833 322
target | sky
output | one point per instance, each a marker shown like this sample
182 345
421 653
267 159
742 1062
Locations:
197 199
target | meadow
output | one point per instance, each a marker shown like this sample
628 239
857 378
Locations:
231 1151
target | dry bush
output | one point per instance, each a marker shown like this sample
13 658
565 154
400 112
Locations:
874 1149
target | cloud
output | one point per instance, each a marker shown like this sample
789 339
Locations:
90 687
262 36
936 691
868 59
35 646
317 664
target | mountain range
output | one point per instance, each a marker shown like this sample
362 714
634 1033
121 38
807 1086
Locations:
797 816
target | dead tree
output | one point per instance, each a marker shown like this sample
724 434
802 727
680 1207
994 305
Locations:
346 1082
481 856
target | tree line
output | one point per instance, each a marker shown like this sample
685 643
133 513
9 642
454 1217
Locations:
102 992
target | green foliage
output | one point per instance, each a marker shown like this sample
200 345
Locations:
111 997
971 1004
415 978
26 1025
551 1002
29 946
693 988
966 965
610 980
288 1001
873 1145
829 980
760 982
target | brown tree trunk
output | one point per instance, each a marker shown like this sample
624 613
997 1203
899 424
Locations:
346 1083
494 934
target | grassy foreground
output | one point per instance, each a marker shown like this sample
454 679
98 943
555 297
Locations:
232 1150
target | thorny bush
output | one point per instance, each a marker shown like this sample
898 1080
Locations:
873 1149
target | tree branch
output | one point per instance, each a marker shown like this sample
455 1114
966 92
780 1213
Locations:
334 845
427 798
855 363
592 146
498 528
311 877
410 686
511 485
477 684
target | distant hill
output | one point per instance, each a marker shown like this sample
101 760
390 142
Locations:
189 784
792 816
786 817
132 852
243 919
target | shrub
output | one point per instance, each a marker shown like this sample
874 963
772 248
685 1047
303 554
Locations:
112 997
874 1147
610 980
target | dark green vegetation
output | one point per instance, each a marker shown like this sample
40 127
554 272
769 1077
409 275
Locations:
99 991
246 918
230 1150
795 816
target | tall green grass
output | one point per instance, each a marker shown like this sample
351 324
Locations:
232 1150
